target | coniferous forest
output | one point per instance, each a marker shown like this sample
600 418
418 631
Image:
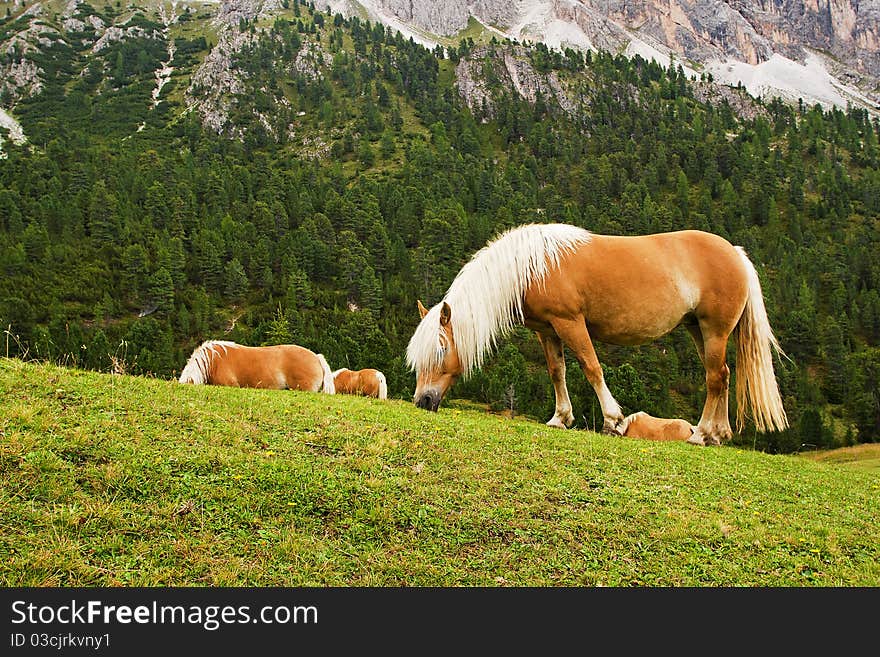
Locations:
338 195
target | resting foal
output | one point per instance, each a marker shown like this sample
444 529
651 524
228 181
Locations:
642 425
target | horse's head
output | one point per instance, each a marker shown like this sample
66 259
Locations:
433 356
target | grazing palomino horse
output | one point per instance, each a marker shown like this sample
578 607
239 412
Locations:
279 367
570 287
642 425
368 382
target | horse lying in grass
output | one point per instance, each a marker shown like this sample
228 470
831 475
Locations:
367 382
279 367
642 425
570 287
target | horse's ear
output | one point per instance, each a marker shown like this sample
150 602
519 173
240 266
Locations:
422 310
445 314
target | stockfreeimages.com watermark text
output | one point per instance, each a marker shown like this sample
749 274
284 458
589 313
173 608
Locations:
210 617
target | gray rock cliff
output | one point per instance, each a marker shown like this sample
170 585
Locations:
843 34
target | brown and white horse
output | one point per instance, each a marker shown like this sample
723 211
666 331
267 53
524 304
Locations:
367 382
279 367
571 286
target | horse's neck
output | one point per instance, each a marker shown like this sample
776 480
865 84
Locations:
213 352
480 322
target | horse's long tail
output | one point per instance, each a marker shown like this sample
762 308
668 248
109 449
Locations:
755 381
327 384
383 386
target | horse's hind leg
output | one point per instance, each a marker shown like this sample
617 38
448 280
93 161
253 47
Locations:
552 345
574 334
714 425
697 336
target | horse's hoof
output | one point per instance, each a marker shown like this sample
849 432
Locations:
612 429
561 421
696 439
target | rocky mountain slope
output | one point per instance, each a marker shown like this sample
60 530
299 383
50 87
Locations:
828 54
825 51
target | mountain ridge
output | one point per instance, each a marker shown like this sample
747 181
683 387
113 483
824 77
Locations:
789 48
763 69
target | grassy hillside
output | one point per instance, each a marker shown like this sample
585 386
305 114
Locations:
860 457
124 480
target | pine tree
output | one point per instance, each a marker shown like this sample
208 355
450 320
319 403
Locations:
103 220
279 330
235 284
387 146
863 396
366 156
207 258
119 70
812 429
161 290
10 213
134 271
98 352
299 290
682 194
799 340
35 240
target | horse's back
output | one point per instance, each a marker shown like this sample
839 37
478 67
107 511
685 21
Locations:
368 382
344 380
697 253
634 289
274 367
371 382
303 369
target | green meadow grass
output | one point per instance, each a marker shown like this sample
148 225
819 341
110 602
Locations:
130 481
860 457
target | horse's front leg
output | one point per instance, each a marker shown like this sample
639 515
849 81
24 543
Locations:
552 345
573 332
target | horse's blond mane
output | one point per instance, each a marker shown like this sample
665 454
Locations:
198 366
486 297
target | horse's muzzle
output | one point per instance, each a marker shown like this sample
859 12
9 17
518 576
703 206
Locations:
430 401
